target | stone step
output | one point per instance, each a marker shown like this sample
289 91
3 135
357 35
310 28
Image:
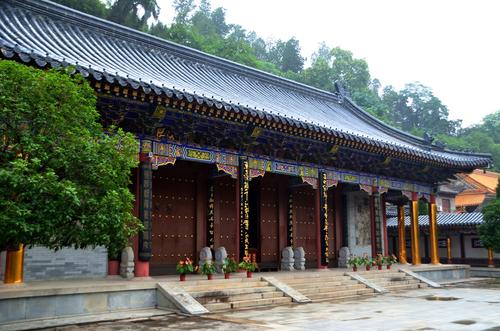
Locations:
394 288
221 306
219 280
232 291
297 280
320 282
339 294
239 297
310 276
323 287
222 286
380 273
398 282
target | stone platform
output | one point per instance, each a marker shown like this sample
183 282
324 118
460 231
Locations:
49 301
485 272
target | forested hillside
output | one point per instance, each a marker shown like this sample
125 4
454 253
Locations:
414 108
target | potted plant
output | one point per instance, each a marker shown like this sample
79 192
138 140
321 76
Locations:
355 261
228 266
390 260
379 261
208 268
367 261
184 266
248 265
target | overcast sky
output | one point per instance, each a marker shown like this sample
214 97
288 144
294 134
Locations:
452 46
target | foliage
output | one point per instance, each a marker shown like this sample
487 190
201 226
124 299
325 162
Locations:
229 265
247 264
208 268
390 259
63 180
355 261
185 266
378 260
91 7
489 231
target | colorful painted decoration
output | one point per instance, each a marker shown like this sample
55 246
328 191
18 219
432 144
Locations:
258 166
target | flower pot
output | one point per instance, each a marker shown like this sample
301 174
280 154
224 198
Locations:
388 267
368 267
249 274
113 267
210 276
182 277
227 276
379 267
354 268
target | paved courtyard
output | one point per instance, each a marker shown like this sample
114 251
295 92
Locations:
467 306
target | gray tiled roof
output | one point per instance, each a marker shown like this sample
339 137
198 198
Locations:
443 220
48 34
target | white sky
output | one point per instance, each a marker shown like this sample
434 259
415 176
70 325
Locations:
452 46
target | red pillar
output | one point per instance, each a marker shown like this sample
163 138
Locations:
373 226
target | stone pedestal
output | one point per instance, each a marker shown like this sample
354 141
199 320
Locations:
287 259
205 255
127 263
344 254
220 256
300 258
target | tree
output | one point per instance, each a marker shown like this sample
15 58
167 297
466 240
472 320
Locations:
182 10
91 7
489 231
126 12
63 178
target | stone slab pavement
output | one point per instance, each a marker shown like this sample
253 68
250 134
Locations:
466 306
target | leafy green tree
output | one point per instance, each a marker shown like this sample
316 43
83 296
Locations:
91 7
126 12
182 10
63 179
489 231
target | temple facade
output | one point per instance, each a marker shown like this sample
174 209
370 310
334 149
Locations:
234 157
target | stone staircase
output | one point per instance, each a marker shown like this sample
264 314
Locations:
235 293
392 280
325 285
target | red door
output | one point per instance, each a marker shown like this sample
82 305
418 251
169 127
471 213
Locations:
304 227
269 222
174 215
225 215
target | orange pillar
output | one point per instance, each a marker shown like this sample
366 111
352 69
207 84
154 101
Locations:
490 258
433 230
402 234
14 266
415 232
448 249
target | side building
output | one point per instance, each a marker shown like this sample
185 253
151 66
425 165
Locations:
234 157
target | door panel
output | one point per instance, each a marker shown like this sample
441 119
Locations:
304 228
174 215
269 221
225 214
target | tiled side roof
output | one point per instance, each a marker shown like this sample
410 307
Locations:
443 220
48 34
